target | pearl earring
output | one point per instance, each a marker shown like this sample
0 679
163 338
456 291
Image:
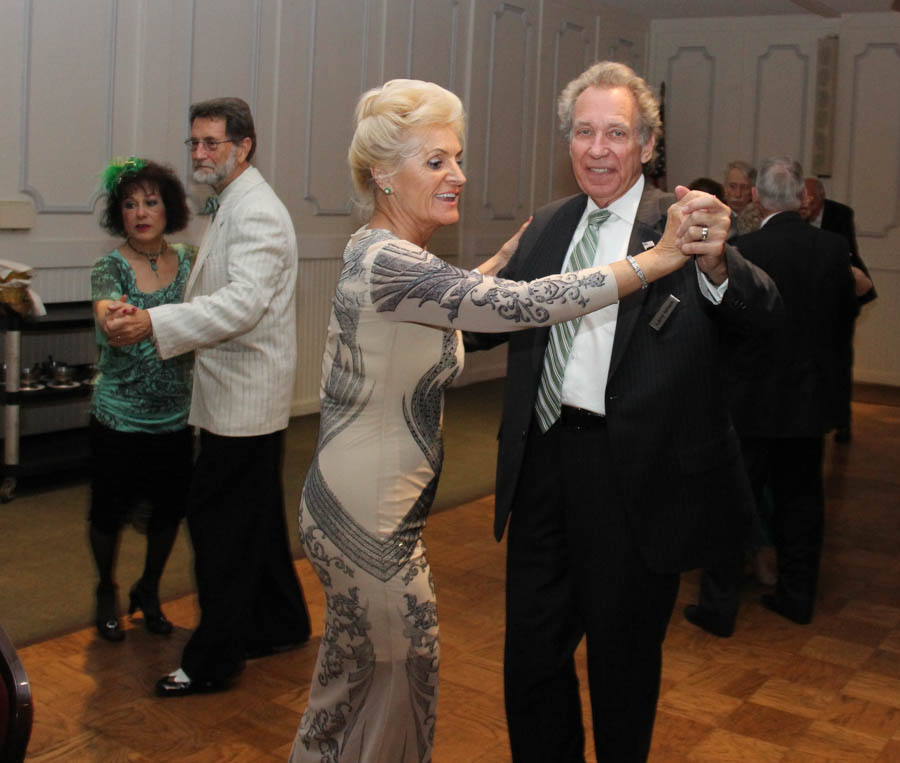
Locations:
387 190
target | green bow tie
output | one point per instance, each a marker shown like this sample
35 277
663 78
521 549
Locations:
211 207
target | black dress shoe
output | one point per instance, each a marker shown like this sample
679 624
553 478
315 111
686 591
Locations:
178 684
154 619
717 625
107 620
771 602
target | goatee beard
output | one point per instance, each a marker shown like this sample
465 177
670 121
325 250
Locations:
214 177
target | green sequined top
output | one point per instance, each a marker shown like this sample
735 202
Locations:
135 390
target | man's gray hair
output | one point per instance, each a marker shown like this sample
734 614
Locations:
747 170
779 184
609 74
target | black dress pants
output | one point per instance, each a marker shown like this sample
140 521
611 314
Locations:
574 570
793 468
248 591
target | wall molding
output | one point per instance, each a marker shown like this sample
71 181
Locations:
854 117
556 87
670 77
25 186
758 106
454 41
525 149
308 195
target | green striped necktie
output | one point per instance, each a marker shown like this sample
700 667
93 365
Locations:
549 397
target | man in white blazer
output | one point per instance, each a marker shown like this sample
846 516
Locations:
238 317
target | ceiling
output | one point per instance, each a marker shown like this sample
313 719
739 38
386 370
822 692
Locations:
677 9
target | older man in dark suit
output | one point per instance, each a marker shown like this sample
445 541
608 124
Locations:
639 477
783 394
833 216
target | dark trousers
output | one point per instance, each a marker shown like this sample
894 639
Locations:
793 468
246 584
573 570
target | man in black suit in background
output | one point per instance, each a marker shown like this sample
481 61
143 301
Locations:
640 477
783 392
838 218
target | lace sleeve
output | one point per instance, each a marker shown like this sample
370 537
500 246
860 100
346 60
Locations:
410 284
106 279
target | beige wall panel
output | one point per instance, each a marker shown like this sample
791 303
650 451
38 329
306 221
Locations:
703 123
501 122
689 114
425 40
622 37
867 176
763 103
67 117
874 154
225 49
779 91
567 48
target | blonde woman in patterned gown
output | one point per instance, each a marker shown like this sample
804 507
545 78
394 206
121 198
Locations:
393 345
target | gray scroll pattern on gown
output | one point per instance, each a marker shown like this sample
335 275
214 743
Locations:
399 274
381 558
422 664
346 640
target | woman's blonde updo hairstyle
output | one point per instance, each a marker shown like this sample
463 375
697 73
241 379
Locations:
384 119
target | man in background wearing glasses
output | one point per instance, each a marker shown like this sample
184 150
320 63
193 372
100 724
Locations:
238 317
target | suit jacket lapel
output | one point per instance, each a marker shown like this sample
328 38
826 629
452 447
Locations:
647 227
202 253
549 251
240 186
547 257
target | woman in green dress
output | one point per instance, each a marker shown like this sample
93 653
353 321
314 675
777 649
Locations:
141 445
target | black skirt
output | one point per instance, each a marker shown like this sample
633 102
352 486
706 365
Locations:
139 477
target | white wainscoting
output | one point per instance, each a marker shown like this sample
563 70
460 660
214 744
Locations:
745 89
88 80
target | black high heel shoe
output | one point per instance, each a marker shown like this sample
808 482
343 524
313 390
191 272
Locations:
154 620
107 619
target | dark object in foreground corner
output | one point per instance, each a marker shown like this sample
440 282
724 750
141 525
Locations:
16 706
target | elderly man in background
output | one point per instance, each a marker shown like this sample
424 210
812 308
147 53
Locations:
838 218
239 319
740 178
618 466
782 393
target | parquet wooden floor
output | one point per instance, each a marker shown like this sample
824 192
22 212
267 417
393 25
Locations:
775 691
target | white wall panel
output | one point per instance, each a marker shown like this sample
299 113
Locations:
224 49
89 79
875 139
505 131
783 75
66 130
501 105
434 46
690 92
567 49
762 104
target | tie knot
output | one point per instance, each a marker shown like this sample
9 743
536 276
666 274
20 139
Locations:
598 217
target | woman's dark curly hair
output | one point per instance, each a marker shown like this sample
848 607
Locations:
152 175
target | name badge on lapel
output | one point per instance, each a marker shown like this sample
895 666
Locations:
662 315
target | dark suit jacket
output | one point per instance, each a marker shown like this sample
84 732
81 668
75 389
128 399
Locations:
677 454
838 218
790 385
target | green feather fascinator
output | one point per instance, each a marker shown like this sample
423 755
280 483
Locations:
119 168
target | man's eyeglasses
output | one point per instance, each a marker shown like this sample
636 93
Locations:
210 144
